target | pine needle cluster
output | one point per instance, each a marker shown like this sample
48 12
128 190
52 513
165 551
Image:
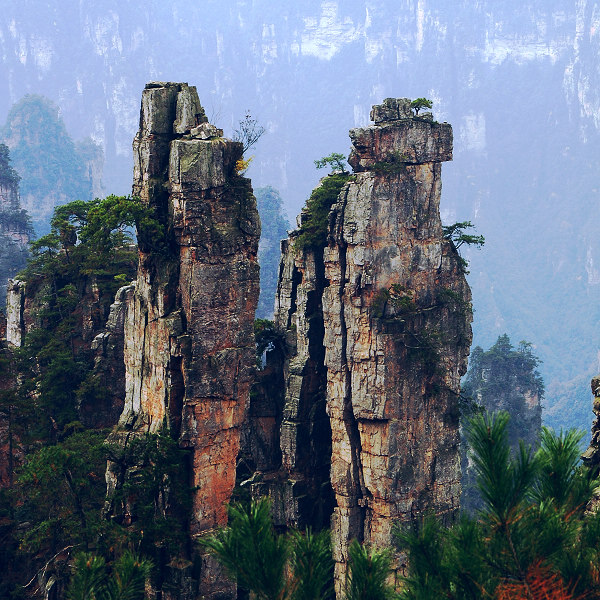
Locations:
272 566
533 539
296 566
92 581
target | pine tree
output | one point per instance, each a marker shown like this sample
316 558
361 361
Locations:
533 538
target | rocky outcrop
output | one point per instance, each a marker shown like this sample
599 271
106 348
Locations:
502 379
189 342
379 321
15 301
15 229
102 403
591 457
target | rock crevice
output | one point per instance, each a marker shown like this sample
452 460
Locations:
188 331
394 323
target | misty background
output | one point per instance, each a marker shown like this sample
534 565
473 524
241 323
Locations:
519 81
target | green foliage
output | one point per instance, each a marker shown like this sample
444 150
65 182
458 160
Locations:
368 571
311 565
268 337
395 162
455 233
420 103
503 371
269 565
88 251
253 554
504 378
502 480
16 220
155 491
60 492
335 161
313 230
96 239
561 481
7 173
91 581
45 154
379 303
397 307
533 535
128 577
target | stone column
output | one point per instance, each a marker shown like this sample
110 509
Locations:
189 342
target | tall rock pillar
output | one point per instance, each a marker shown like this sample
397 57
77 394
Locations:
189 342
15 228
397 333
377 317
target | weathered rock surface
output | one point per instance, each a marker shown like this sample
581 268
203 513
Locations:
388 303
591 457
15 299
503 379
15 230
104 409
301 488
189 342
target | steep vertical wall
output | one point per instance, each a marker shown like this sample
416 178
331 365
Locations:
189 342
380 324
15 230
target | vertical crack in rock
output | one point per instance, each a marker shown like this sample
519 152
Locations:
299 482
351 512
396 333
189 342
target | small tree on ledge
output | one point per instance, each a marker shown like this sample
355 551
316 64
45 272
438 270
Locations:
335 160
420 103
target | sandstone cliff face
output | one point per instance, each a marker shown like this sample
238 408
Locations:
189 342
387 301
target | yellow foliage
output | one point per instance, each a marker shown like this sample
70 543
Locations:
241 165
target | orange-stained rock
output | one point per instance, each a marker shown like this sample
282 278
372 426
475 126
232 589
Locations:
387 300
188 328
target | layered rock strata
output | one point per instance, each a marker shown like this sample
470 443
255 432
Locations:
380 323
189 342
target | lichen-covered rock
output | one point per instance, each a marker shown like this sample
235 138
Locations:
189 342
387 300
15 299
